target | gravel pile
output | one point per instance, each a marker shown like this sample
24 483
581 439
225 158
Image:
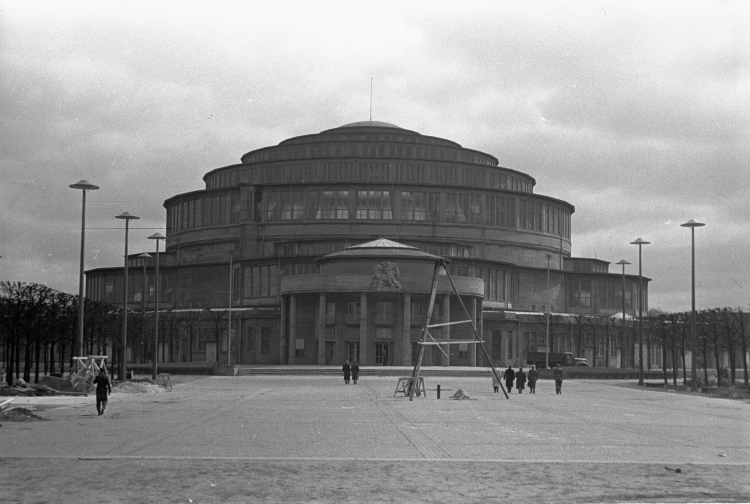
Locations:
460 395
18 415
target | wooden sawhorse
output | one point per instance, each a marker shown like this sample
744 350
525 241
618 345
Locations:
405 384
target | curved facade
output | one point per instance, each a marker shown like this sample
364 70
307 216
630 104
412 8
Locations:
282 208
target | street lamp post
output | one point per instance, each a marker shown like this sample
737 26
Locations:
83 185
640 244
623 263
693 371
127 217
145 257
157 237
546 354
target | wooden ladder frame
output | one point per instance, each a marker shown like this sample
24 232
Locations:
440 266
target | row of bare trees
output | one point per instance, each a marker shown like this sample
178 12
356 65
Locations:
722 335
38 330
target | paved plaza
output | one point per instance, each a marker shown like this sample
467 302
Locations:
317 422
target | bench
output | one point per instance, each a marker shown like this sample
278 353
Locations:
707 390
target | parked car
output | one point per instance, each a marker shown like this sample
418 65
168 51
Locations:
554 358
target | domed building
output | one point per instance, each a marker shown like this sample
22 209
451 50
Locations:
326 240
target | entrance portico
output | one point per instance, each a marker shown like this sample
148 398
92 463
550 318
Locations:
370 301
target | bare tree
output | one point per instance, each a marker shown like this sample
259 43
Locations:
217 323
580 330
189 321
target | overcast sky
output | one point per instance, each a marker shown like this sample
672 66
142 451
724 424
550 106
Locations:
637 113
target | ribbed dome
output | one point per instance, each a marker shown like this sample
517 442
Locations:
381 249
370 124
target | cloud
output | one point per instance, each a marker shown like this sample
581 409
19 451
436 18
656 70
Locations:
636 113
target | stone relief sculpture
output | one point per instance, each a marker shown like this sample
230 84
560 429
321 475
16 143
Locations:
385 277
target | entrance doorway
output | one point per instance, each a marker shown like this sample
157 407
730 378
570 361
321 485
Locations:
497 339
330 349
382 352
352 351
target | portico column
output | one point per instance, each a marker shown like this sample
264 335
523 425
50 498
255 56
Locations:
480 330
320 330
406 333
292 326
473 348
283 356
363 330
446 329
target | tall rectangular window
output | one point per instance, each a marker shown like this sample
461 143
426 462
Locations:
353 309
475 208
579 293
332 205
373 205
414 206
291 205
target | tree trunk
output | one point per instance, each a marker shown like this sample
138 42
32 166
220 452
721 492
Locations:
664 363
27 354
743 346
62 358
684 365
705 364
52 357
11 361
38 356
593 340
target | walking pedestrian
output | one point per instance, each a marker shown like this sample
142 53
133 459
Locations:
355 373
495 379
533 377
509 376
558 379
347 372
103 388
520 380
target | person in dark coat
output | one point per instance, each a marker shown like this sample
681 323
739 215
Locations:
103 388
347 371
520 380
533 377
558 379
355 373
509 376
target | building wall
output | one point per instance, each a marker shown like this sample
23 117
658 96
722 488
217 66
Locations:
285 206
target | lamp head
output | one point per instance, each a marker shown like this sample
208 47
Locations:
623 262
145 256
157 236
640 241
692 224
85 185
126 216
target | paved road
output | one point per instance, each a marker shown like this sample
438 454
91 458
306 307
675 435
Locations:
319 418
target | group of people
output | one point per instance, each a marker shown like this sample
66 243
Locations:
520 379
351 372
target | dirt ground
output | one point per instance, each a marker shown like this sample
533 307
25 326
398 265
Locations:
197 478
351 481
